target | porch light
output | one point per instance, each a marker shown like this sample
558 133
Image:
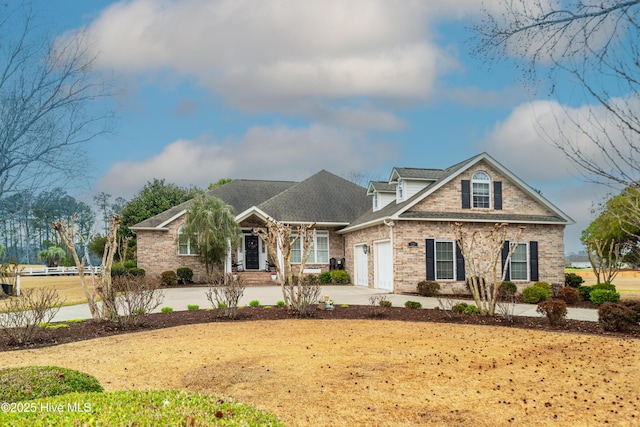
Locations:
365 248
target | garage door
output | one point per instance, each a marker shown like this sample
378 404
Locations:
361 266
383 265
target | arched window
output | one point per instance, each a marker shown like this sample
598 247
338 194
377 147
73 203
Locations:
481 190
187 243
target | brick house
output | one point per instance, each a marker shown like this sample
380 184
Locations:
391 235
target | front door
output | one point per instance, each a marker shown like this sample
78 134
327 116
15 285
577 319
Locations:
251 253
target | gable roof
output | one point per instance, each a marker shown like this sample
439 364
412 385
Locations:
401 210
415 174
321 198
239 193
380 187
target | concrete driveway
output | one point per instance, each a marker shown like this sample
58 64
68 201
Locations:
179 298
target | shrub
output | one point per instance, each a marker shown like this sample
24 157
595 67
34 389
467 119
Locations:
535 294
254 303
616 317
600 296
428 289
142 408
140 296
25 313
185 275
137 272
605 286
379 304
118 270
555 310
465 308
633 305
413 304
544 285
166 309
193 307
569 295
507 289
169 278
573 280
35 382
225 293
280 304
325 277
584 292
340 276
312 278
130 263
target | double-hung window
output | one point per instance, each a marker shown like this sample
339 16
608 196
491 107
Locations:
187 243
444 260
519 266
481 190
319 253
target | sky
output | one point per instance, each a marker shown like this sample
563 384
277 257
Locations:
280 89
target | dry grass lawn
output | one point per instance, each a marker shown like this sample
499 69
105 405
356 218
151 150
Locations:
374 372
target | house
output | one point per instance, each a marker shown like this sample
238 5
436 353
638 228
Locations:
393 234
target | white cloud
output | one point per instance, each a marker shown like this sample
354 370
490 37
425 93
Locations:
262 153
266 54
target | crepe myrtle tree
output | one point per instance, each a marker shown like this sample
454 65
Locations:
280 239
212 224
100 290
482 253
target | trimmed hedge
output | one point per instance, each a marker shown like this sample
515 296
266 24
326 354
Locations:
534 294
340 276
616 317
34 382
600 296
185 275
428 289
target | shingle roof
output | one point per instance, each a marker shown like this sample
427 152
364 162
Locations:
399 209
417 173
323 197
382 187
241 194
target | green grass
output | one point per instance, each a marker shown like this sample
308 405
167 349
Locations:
33 382
140 408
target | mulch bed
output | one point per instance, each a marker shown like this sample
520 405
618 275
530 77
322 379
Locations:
90 329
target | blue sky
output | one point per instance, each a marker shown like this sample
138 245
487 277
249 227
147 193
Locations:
279 89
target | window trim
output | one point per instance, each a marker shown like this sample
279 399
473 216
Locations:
314 250
486 182
400 190
526 261
453 259
188 243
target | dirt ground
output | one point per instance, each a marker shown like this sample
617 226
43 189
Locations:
323 372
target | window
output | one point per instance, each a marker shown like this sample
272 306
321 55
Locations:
445 268
319 253
400 190
481 185
187 244
518 266
375 201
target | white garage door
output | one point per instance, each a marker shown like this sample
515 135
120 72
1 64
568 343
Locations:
383 265
361 266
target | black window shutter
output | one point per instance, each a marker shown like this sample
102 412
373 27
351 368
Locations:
466 194
431 259
505 254
533 261
460 273
497 195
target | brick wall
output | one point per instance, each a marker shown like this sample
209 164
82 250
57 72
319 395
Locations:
368 236
410 262
448 198
158 250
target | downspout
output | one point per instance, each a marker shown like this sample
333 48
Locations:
389 223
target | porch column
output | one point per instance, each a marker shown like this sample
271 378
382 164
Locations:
227 262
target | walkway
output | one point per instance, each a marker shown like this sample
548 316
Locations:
179 298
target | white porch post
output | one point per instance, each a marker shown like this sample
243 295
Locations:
17 284
227 263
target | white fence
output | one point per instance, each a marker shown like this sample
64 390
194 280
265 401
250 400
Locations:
55 271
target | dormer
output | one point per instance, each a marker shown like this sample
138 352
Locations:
409 181
383 193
